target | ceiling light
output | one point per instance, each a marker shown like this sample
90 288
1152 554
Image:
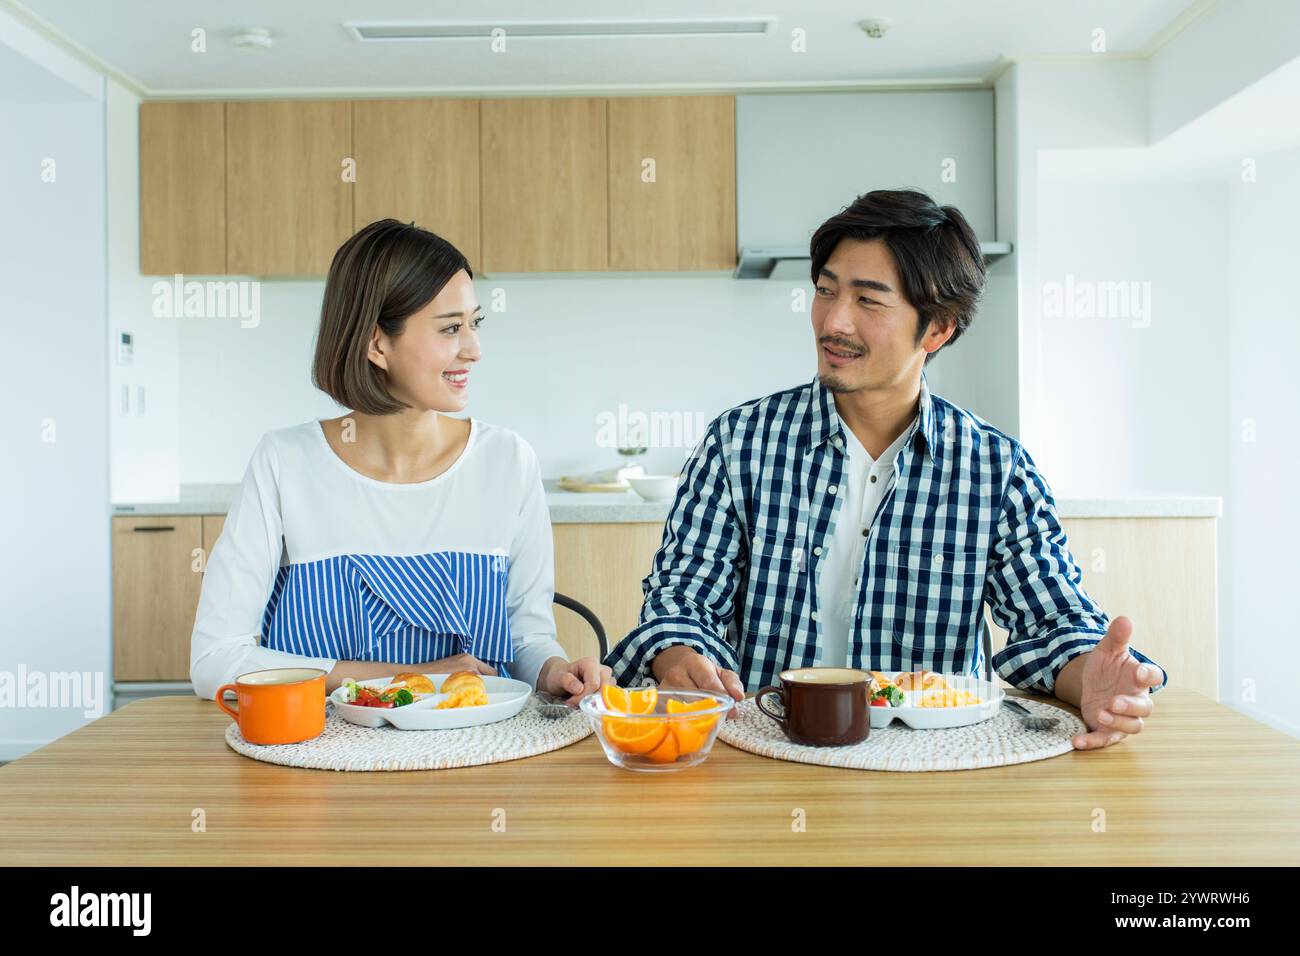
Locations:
561 30
875 28
252 38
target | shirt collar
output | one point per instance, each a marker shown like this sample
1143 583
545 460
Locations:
822 422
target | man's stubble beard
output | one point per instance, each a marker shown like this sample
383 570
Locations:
833 383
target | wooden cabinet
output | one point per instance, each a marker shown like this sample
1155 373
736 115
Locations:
266 188
544 185
1161 573
183 188
157 579
672 183
212 525
156 584
288 205
601 566
418 161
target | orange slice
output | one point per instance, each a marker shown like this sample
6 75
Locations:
667 750
629 701
634 736
691 734
677 707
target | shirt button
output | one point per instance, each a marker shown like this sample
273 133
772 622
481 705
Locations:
817 551
865 532
873 478
833 489
938 560
814 615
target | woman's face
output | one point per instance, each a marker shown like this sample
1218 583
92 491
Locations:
428 363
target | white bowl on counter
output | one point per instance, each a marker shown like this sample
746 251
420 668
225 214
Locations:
654 487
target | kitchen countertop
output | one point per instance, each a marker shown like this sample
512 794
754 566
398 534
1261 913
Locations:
566 507
1202 785
569 507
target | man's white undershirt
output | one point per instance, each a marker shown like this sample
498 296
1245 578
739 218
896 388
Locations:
840 564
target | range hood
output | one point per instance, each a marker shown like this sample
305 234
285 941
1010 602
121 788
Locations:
782 262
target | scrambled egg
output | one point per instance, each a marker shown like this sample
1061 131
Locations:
948 698
472 696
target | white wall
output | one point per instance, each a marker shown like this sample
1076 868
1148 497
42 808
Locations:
1198 401
564 351
1263 321
1234 45
1134 403
144 420
54 563
1058 105
984 368
801 157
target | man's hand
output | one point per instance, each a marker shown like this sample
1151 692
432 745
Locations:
683 668
1113 688
575 678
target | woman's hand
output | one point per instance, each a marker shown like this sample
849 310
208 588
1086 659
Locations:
457 662
574 678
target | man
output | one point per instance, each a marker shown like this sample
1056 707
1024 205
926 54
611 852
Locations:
861 521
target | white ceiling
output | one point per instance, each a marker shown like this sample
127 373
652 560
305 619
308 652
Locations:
24 83
147 42
1257 121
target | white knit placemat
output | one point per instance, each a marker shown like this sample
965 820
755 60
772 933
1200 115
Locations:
995 742
347 746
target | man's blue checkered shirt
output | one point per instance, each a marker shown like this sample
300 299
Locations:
967 519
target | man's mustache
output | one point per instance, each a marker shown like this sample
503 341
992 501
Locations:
842 345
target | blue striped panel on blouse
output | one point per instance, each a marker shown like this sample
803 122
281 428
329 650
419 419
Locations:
404 609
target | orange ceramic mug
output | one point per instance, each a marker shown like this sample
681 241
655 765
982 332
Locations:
281 706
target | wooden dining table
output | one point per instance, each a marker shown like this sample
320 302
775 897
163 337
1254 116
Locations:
154 783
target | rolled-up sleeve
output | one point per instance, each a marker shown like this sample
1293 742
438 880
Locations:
692 581
1035 588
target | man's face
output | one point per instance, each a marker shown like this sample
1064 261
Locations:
864 326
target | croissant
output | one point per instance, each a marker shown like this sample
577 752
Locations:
920 680
415 683
462 679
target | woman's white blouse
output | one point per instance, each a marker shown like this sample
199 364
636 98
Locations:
318 563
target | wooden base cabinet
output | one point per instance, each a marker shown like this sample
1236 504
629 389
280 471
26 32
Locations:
157 577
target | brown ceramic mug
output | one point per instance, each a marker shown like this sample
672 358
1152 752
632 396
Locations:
821 706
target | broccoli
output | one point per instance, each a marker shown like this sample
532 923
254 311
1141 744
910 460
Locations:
892 695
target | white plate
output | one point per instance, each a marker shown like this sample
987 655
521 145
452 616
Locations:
934 718
506 698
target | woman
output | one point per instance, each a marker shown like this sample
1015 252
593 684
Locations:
393 537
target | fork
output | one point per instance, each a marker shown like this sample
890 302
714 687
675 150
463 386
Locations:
1030 720
550 706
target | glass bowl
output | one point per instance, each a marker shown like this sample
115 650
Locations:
661 740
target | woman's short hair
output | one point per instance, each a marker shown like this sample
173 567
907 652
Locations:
385 273
938 257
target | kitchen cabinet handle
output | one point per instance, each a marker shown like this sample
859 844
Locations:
157 527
